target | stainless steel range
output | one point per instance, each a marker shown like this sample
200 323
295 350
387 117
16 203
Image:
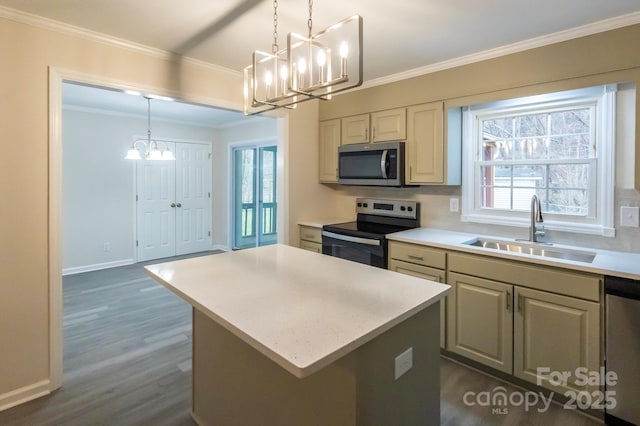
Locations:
365 239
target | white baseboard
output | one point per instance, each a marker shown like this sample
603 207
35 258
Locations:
220 247
96 267
24 394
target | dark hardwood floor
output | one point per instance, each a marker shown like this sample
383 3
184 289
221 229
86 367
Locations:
127 361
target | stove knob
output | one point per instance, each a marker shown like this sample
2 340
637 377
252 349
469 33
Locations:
402 208
410 209
366 205
359 204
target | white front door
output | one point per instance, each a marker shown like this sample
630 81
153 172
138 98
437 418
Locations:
193 198
174 204
156 218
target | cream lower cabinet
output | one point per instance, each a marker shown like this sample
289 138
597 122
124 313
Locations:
421 262
480 322
519 318
311 238
329 142
555 332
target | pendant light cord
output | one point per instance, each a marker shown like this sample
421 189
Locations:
310 20
274 46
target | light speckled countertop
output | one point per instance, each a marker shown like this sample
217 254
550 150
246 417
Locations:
606 262
301 309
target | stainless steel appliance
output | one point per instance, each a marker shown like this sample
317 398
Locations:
377 164
622 348
365 240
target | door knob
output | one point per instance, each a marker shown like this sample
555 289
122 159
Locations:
173 205
178 205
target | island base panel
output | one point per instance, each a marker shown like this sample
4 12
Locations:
234 384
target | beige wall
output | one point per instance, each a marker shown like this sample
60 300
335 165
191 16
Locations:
27 53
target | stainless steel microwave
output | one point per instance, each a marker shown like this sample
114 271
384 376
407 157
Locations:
376 164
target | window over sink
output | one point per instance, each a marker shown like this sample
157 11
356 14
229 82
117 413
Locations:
558 146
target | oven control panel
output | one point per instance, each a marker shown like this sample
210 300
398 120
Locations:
394 208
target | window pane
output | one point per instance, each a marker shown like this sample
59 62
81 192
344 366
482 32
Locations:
569 176
574 121
532 149
563 147
500 150
567 201
532 125
495 175
529 176
498 128
493 197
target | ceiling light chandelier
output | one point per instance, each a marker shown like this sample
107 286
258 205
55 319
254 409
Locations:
151 150
311 67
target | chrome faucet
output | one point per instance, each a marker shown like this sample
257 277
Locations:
536 217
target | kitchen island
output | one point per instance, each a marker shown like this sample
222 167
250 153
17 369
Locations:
285 336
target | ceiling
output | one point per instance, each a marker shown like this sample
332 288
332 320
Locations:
399 36
76 95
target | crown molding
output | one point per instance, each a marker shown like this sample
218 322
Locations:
85 34
545 40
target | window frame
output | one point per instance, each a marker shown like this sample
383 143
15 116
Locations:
599 220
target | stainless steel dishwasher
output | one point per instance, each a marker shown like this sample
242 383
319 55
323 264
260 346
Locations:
622 348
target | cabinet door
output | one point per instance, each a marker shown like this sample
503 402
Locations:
425 144
560 333
355 129
390 125
430 274
329 143
480 321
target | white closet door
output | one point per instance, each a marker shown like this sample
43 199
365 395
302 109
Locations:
156 217
193 198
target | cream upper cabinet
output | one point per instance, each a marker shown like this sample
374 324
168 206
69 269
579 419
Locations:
355 129
425 147
556 332
379 126
328 156
389 125
480 325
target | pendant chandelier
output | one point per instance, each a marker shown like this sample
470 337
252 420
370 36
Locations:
150 147
312 67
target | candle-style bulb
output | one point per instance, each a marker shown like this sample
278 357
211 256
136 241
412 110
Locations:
302 66
344 50
322 58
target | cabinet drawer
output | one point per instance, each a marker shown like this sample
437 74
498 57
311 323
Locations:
553 280
417 254
311 246
308 233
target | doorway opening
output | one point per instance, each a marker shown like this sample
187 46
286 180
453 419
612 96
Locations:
254 185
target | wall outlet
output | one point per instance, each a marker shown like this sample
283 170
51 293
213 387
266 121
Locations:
454 205
629 216
404 362
106 247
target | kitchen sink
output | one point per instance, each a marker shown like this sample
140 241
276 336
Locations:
535 249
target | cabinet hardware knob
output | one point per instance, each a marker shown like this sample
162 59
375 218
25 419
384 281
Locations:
415 257
178 205
173 205
508 300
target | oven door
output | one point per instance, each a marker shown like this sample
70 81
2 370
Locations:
370 251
